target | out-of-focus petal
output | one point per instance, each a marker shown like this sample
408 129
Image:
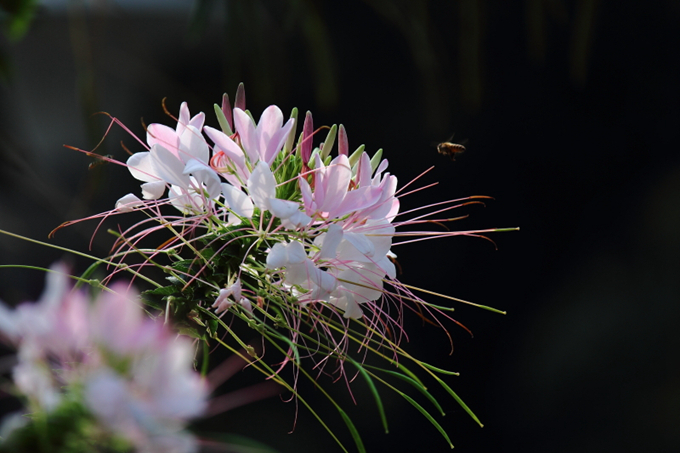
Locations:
296 252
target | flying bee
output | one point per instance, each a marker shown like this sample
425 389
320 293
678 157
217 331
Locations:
450 149
101 160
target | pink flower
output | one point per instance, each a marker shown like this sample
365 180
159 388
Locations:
178 157
264 141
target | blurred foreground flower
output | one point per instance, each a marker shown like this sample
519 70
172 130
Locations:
99 376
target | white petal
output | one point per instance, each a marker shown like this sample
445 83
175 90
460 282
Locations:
128 203
299 219
222 303
331 240
139 165
388 266
204 175
238 201
168 167
326 281
277 256
296 252
361 243
153 190
193 145
262 185
283 209
353 310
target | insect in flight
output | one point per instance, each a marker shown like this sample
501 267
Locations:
450 149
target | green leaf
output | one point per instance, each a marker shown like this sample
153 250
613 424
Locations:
429 417
162 291
460 401
374 390
415 384
353 430
439 370
20 17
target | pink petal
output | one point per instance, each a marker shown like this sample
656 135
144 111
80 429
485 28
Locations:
277 141
335 183
310 206
247 133
183 120
226 144
269 124
364 170
159 134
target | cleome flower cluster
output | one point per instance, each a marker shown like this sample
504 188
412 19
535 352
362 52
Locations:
325 224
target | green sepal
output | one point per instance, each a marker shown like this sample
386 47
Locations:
354 157
329 142
224 124
375 160
288 146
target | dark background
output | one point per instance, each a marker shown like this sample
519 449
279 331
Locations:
570 112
